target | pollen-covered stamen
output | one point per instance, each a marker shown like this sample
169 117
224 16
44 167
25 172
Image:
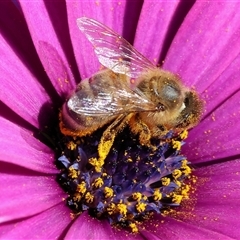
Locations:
98 182
184 134
157 195
137 196
108 192
176 144
131 183
140 207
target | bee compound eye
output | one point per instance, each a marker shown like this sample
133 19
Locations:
171 92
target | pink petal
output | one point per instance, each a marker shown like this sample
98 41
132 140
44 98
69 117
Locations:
23 196
20 91
217 136
172 229
20 147
49 31
207 42
149 235
110 13
49 224
16 34
150 35
86 227
217 199
223 87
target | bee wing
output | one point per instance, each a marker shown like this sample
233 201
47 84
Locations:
94 101
112 50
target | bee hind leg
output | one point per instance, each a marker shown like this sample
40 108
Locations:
109 135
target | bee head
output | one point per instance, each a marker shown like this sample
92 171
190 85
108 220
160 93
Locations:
164 89
191 114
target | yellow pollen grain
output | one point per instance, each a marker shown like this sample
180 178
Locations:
176 145
184 163
122 209
145 198
73 173
185 191
93 161
98 182
176 173
178 183
111 208
71 145
81 188
177 198
77 197
133 227
184 134
166 181
140 207
137 196
108 192
89 197
157 196
186 170
96 163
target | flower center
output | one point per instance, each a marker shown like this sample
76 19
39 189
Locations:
132 183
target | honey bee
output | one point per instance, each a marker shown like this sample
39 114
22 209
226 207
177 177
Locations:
130 91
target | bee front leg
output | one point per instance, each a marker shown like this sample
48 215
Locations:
109 135
139 127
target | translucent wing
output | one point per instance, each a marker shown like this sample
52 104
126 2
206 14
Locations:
98 97
112 50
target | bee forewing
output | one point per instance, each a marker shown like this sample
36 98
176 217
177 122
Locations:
112 50
113 101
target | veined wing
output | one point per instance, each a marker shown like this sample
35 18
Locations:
112 50
99 100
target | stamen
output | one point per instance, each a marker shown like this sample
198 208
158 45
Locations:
131 183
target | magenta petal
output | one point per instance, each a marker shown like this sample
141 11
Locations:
20 91
86 227
56 69
225 86
172 229
150 34
21 148
218 199
207 42
47 225
47 43
16 33
23 196
149 235
109 13
217 136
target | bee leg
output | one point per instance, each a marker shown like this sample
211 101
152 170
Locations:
109 135
139 127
